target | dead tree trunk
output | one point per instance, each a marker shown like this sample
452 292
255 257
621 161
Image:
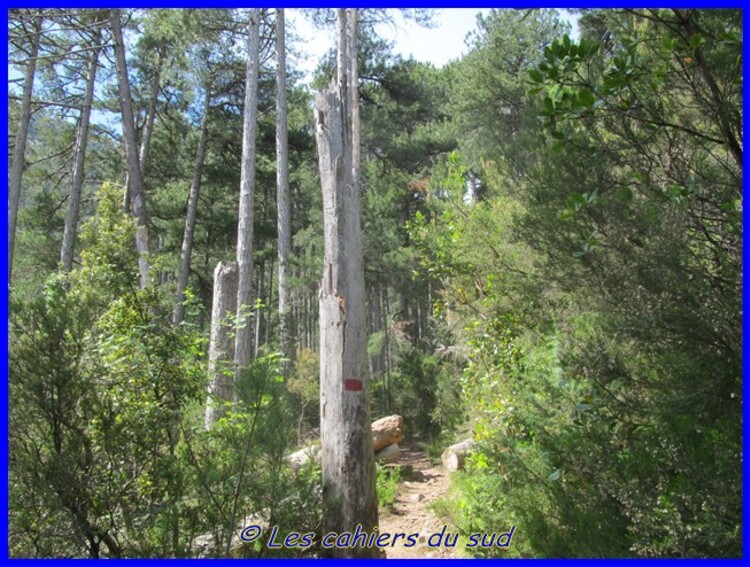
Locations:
19 151
243 347
135 179
76 187
221 345
192 206
282 188
347 451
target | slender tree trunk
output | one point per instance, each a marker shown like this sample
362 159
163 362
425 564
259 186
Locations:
269 302
347 452
282 189
135 179
148 128
76 187
258 321
388 347
19 151
243 347
192 206
221 346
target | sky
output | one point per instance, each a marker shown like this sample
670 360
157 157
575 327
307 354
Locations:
442 43
438 45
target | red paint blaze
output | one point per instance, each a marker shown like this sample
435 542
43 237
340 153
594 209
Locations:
353 385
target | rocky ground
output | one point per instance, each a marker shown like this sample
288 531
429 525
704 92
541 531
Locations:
422 483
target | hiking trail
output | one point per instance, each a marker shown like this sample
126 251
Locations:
422 484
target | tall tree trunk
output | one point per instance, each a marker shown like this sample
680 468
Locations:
388 348
282 189
347 452
76 187
148 128
135 179
221 347
243 347
19 151
192 206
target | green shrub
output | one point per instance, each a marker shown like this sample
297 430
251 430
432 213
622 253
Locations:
387 482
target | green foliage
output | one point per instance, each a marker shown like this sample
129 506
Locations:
97 386
304 388
598 295
387 482
107 421
237 465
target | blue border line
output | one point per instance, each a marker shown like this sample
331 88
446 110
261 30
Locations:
745 217
4 307
519 4
392 4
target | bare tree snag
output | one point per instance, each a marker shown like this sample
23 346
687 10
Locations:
243 347
282 189
221 345
349 496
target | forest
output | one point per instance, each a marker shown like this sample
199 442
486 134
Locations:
214 263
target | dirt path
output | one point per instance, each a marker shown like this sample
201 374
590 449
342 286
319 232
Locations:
422 483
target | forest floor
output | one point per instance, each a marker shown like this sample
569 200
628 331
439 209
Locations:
422 484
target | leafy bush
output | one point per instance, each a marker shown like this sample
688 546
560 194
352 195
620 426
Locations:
387 482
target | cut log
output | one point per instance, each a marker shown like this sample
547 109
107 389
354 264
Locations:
454 456
390 454
387 431
296 460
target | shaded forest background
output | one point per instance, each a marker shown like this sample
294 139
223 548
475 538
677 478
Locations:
553 247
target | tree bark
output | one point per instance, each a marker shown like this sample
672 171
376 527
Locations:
349 495
192 206
135 179
282 190
243 347
76 187
19 151
221 345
